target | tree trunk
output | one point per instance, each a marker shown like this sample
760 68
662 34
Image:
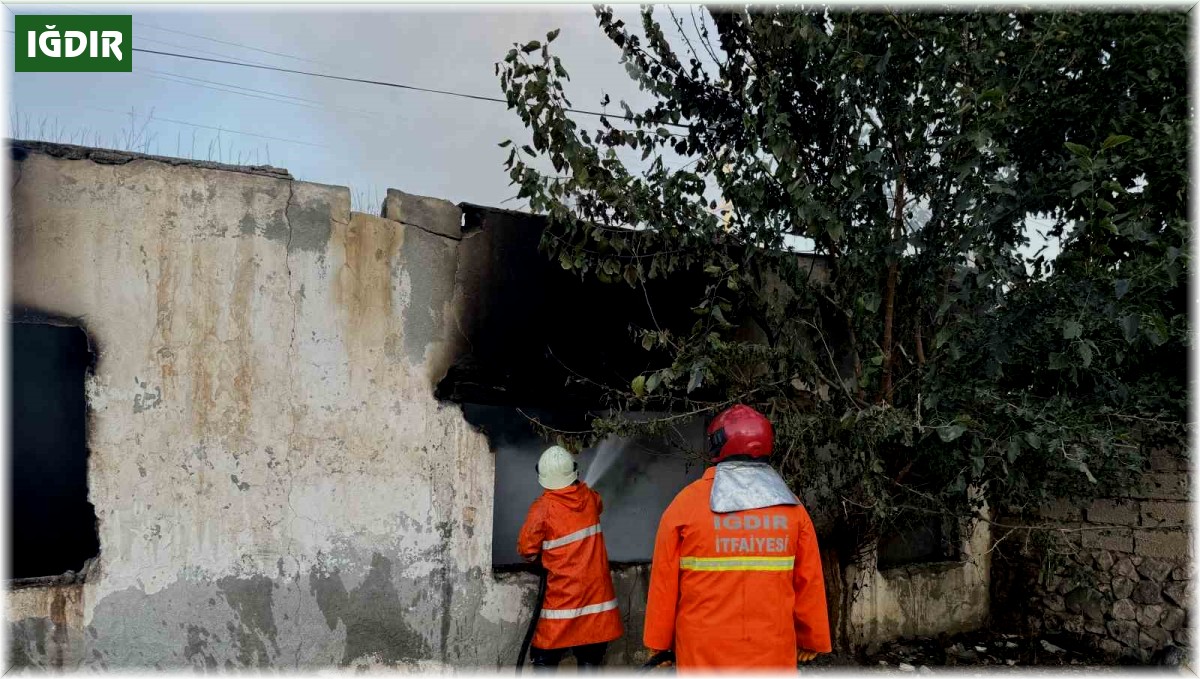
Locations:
889 313
835 599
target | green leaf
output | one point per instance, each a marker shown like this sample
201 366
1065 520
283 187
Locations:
941 337
639 385
1156 329
653 382
877 359
994 93
1085 353
716 313
1033 440
552 35
950 432
1115 140
1078 149
1014 450
531 47
1129 327
835 231
506 143
1079 187
870 301
977 464
630 274
1122 287
697 378
1072 330
648 340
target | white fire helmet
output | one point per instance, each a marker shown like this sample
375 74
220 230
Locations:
557 469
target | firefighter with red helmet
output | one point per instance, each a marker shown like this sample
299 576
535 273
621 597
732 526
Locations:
736 578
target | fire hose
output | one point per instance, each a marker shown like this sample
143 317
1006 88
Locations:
657 660
537 614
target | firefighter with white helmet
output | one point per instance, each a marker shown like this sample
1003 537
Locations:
579 612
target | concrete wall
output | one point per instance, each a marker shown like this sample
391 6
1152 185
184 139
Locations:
275 484
924 599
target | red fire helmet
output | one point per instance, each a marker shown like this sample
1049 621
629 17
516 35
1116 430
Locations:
740 430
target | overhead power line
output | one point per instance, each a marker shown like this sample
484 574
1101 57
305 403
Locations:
194 49
227 42
153 118
252 92
367 81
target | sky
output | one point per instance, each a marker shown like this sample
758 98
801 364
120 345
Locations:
366 137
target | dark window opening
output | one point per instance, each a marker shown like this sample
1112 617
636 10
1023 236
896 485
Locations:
928 540
52 526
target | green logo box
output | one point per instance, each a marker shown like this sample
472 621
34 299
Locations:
73 43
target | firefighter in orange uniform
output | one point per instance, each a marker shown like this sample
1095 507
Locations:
736 578
579 612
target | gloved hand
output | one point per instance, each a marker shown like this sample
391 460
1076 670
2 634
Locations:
651 652
804 655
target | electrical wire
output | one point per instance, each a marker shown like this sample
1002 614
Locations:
367 81
196 125
227 42
382 83
254 93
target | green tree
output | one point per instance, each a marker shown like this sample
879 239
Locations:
931 363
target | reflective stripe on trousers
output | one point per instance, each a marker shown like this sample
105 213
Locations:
569 613
737 563
572 537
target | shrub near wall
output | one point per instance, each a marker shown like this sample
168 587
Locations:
1113 576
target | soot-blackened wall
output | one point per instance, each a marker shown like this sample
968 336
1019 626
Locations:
637 479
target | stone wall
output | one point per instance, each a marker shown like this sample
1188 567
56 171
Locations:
1114 576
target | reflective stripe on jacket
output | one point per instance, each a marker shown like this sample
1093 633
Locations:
563 526
737 590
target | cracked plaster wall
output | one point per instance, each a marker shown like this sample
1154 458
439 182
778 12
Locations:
275 484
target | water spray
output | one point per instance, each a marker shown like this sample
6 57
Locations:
607 453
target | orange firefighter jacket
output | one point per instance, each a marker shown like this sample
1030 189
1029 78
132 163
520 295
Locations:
735 590
580 607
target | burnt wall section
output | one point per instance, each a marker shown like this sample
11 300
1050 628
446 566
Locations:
1114 576
534 334
636 478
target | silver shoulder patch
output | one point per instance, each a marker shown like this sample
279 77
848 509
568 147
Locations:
739 485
